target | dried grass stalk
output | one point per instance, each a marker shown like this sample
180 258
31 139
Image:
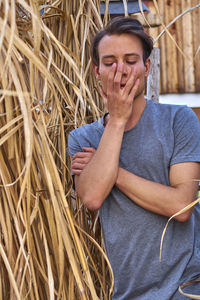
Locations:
50 246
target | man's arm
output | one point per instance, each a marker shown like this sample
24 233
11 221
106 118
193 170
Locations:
156 197
99 175
159 198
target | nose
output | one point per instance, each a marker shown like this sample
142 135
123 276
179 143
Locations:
125 69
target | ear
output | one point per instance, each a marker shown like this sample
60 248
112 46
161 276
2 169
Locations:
147 66
96 71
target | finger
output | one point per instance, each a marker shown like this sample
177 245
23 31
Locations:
134 89
82 161
118 76
88 149
76 172
130 82
129 72
103 95
78 166
80 155
111 76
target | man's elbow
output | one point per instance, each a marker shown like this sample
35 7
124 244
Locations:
184 217
92 202
183 203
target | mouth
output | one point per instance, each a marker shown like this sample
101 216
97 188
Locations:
122 85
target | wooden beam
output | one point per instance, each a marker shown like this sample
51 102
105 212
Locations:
179 39
153 80
188 48
196 44
163 55
172 74
151 17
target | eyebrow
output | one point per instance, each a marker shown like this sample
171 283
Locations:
128 54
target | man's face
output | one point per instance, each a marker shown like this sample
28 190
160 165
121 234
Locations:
126 49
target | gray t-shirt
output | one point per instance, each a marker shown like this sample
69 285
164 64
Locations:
165 135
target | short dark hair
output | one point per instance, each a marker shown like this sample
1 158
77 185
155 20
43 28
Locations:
120 25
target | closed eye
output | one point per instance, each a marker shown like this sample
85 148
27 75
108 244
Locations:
131 62
109 64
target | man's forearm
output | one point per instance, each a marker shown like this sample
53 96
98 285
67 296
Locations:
156 197
99 175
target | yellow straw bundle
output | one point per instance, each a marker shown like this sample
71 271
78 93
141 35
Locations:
50 246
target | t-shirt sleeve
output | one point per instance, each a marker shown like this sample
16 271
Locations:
186 137
73 147
73 144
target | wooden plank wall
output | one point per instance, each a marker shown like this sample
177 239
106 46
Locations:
179 74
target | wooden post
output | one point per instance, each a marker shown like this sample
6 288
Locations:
195 16
163 50
188 48
179 39
172 72
153 80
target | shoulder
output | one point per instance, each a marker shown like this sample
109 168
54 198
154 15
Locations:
186 134
87 135
171 109
186 120
180 125
87 129
177 115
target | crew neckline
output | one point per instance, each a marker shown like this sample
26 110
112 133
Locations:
139 121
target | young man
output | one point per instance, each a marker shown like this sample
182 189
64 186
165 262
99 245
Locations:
137 166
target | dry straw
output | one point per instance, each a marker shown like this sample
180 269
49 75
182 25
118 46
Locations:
50 245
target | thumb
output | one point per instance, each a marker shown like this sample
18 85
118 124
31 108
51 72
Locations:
103 95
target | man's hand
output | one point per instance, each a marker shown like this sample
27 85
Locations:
120 97
81 159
